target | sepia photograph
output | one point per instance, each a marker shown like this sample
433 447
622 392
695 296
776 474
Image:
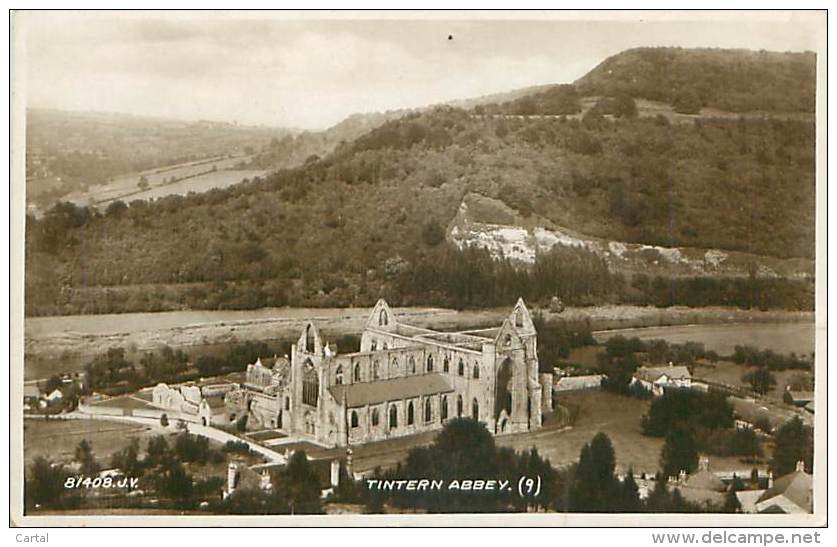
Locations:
419 268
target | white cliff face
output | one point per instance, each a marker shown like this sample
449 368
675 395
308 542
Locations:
523 244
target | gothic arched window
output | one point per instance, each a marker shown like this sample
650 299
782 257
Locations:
476 372
429 363
393 367
310 385
376 370
475 409
375 417
356 373
383 320
428 410
393 417
446 364
412 365
443 411
374 345
461 368
338 375
354 419
459 406
410 413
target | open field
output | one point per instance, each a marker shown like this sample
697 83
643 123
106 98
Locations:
782 338
197 176
56 440
615 415
199 183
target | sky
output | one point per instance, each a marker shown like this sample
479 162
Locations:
305 71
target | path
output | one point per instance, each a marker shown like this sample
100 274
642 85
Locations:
196 429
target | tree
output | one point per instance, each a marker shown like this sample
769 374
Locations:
629 495
157 452
84 456
176 484
687 101
679 453
432 233
595 486
298 484
760 380
143 183
127 459
793 443
44 486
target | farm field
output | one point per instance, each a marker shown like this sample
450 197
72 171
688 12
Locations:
125 187
56 440
780 337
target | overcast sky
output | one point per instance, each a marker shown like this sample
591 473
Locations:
313 73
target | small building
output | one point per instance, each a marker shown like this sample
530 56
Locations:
657 379
702 487
56 396
798 398
212 410
790 494
31 396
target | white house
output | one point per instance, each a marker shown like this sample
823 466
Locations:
656 379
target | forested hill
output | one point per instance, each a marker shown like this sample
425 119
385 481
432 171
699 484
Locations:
731 80
370 218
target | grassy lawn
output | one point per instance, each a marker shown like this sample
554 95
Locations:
56 440
618 417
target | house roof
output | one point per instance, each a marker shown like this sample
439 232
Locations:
652 374
706 480
381 391
802 396
796 486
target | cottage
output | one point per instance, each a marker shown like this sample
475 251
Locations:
657 379
790 494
